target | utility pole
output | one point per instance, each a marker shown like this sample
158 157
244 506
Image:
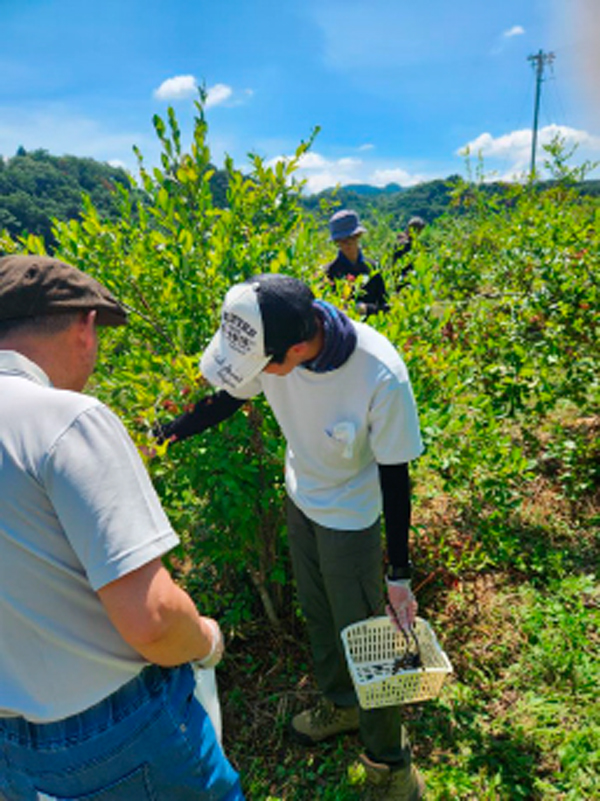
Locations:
539 61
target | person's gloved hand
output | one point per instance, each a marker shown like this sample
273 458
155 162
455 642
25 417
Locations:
214 656
402 607
158 436
161 432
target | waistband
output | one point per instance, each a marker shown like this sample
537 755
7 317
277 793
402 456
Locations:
125 701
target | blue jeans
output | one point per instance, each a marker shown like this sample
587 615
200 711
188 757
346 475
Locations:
149 741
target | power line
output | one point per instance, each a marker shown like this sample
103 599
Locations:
557 104
539 61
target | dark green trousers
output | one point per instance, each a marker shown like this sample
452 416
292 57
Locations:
339 578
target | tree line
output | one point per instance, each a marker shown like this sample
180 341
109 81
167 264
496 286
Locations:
37 187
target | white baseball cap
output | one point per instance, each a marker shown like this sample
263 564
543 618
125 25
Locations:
260 320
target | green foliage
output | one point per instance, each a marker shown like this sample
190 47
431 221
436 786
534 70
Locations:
36 187
498 326
171 255
559 162
520 720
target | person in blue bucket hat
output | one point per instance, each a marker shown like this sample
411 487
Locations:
350 264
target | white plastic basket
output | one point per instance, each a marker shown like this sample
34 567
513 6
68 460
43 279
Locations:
372 647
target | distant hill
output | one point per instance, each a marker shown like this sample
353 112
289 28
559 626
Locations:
367 189
590 187
36 187
427 200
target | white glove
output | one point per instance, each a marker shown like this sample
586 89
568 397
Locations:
402 608
214 656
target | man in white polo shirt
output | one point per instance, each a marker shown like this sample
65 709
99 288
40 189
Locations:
96 689
342 396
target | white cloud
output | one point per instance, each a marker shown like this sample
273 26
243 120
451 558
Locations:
501 42
488 145
312 161
321 173
324 180
182 87
515 147
178 88
514 142
217 94
516 30
366 146
349 163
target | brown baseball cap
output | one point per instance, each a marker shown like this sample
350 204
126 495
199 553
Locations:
32 286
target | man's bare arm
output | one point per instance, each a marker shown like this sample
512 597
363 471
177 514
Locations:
157 618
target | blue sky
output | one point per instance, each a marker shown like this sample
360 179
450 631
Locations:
399 88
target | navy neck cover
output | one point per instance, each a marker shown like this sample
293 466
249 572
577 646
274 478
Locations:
339 338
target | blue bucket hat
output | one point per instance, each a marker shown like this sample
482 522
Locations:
345 223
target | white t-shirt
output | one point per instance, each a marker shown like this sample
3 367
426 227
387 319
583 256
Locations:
77 511
339 425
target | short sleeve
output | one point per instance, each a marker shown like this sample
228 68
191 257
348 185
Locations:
394 431
104 499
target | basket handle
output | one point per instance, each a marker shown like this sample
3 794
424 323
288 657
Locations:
415 659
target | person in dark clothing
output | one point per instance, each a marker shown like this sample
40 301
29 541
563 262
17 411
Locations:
404 245
349 264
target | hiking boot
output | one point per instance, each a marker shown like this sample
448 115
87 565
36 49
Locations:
323 721
386 784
